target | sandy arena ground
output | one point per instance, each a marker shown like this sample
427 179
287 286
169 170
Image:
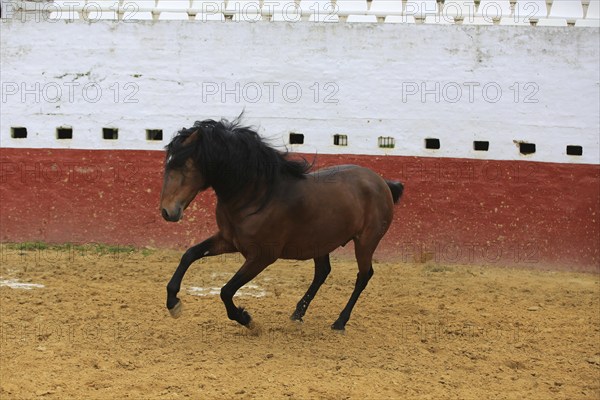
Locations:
99 329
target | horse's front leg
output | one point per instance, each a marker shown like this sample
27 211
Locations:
246 273
212 246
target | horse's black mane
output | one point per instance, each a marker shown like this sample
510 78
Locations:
233 158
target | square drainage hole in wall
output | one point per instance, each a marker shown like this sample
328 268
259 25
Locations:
340 140
574 150
296 138
110 133
481 145
18 133
154 134
432 144
64 133
526 148
386 142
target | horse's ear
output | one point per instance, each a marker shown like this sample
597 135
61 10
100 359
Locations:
207 125
193 136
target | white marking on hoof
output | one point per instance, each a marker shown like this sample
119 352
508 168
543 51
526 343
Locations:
176 311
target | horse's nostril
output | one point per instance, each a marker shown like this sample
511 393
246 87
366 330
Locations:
165 214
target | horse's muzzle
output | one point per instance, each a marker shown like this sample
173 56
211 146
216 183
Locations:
173 216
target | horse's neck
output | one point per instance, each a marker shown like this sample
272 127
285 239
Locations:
243 200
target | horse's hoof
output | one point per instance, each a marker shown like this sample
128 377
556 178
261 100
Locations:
338 326
244 317
296 318
176 311
254 328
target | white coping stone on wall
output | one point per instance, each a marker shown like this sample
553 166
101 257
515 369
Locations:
359 80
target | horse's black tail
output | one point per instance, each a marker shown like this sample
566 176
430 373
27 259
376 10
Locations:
396 188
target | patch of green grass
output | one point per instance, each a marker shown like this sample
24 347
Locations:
436 268
111 249
97 248
26 246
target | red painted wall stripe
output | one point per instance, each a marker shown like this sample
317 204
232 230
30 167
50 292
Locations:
542 215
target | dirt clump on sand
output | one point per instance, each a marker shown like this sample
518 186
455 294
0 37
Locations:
99 329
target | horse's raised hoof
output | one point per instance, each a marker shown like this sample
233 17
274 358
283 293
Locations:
244 317
176 310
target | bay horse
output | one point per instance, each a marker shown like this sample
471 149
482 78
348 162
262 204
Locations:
271 207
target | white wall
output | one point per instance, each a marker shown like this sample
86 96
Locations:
166 66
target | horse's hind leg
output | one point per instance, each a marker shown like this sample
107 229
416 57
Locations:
322 269
364 257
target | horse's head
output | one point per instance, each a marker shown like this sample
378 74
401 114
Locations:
182 177
230 158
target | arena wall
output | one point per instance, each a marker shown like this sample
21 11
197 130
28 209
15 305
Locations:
511 87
